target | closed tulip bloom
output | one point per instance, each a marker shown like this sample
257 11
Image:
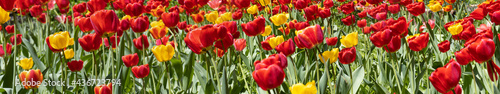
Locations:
381 38
84 23
275 41
448 8
8 48
199 39
241 3
237 15
361 23
105 22
418 42
445 78
226 16
455 29
444 46
31 79
348 20
254 27
350 40
267 31
80 8
163 52
309 37
41 18
309 88
416 8
279 19
240 44
68 53
8 5
435 7
130 60
140 24
36 10
482 49
399 27
141 42
10 29
450 2
394 8
347 55
197 18
90 42
463 57
264 2
104 89
212 16
324 13
268 73
158 32
4 16
287 47
60 40
141 71
170 19
62 4
134 9
26 63
253 9
75 65
331 41
331 55
17 38
347 8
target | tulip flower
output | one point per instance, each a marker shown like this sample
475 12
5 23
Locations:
134 9
444 46
416 8
450 2
287 47
31 79
350 40
8 48
4 15
327 3
265 44
240 44
212 16
241 3
141 71
104 89
361 23
36 11
237 15
478 13
232 28
140 24
112 40
493 70
324 13
141 42
62 4
463 57
448 8
347 8
80 8
455 29
84 23
170 19
394 9
130 60
268 73
253 9
105 22
198 17
309 37
17 38
96 5
301 4
309 88
398 27
311 12
331 55
418 42
394 45
374 1
481 49
435 7
199 39
158 32
381 38
254 27
348 20
75 65
331 41
347 55
267 31
275 41
7 5
163 52
26 63
458 90
279 19
226 16
41 18
68 53
445 78
90 42
10 29
264 2
125 23
60 40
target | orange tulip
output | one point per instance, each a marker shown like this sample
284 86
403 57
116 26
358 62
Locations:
104 89
31 79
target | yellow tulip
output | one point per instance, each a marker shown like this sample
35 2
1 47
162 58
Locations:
267 31
455 29
26 63
163 53
420 0
60 40
253 9
435 7
212 16
275 41
279 19
157 24
219 20
264 2
4 16
350 40
227 16
68 53
309 88
330 55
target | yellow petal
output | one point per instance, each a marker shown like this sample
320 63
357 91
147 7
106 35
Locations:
275 41
267 31
455 29
26 63
350 40
4 16
68 53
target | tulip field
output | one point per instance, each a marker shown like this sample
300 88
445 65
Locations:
249 46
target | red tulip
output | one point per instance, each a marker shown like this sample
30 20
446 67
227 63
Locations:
8 48
394 45
381 16
362 14
379 26
324 13
347 55
7 5
104 89
17 38
311 12
493 70
419 42
140 24
367 30
36 10
374 1
200 38
445 78
240 44
300 4
495 17
141 71
265 44
328 3
198 17
458 90
141 42
481 49
463 57
134 9
9 29
96 5
170 19
224 38
31 79
241 3
105 22
84 23
41 18
237 15
62 4
255 27
347 8
361 23
284 2
394 9
75 65
348 20
381 38
399 26
268 73
112 40
331 41
416 8
287 48
125 24
90 42
301 25
478 13
80 8
444 46
309 37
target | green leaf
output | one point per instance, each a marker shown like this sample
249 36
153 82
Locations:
357 76
32 51
323 83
